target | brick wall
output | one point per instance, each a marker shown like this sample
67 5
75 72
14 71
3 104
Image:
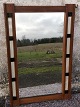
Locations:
76 49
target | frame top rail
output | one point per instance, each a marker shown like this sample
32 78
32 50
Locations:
40 8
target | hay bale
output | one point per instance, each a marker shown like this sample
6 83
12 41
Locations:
50 52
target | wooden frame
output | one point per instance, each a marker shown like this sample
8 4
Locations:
9 11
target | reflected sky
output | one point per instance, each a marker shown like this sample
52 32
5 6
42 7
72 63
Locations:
39 25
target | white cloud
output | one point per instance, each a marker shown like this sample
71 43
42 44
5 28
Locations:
39 25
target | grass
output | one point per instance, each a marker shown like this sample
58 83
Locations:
38 70
35 67
41 47
26 56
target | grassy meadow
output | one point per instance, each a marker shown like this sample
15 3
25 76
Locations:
39 64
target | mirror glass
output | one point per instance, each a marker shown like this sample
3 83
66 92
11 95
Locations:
39 51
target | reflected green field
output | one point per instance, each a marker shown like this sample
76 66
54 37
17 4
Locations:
37 67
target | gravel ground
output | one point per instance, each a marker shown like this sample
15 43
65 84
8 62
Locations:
73 102
40 90
2 101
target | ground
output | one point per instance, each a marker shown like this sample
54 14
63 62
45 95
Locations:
73 102
39 64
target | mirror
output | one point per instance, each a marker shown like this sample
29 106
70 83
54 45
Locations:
39 52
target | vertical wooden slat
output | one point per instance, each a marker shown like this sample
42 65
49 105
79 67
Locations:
9 8
71 9
8 54
15 54
64 52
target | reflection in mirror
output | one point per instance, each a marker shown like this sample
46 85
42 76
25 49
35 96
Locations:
14 89
10 26
11 49
13 69
39 51
67 65
68 46
66 82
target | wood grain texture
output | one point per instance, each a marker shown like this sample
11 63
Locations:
39 9
11 8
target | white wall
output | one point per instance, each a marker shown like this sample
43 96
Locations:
76 50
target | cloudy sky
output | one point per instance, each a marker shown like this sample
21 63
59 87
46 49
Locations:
39 25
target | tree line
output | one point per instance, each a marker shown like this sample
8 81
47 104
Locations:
28 42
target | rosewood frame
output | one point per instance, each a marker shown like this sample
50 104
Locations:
9 11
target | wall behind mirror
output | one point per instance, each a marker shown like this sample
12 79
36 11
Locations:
39 51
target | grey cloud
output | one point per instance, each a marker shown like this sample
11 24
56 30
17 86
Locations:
39 25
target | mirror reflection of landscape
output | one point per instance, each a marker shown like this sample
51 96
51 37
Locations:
39 52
